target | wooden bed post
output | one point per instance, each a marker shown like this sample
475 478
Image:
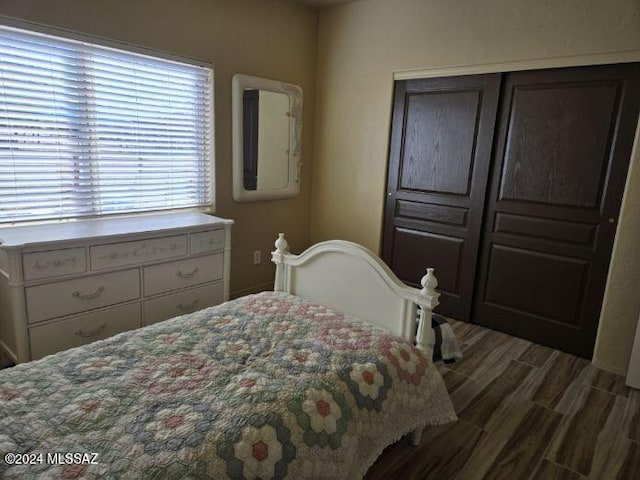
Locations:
425 338
282 248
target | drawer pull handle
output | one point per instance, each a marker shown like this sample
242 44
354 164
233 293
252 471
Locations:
95 332
54 263
189 307
187 275
88 296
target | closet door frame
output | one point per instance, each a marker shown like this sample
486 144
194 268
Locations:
624 285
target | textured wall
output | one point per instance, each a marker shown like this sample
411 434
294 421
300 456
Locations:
621 305
275 39
361 44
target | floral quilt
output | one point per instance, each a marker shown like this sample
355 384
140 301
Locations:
266 386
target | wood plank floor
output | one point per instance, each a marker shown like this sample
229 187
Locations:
526 412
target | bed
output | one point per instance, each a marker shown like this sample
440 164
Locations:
312 380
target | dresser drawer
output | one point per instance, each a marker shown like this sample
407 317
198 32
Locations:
136 252
53 262
74 296
207 241
181 274
186 301
87 328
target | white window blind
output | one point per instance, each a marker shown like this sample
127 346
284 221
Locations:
87 130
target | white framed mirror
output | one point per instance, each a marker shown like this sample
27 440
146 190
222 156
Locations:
267 138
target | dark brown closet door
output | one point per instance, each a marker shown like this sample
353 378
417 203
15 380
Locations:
562 151
438 168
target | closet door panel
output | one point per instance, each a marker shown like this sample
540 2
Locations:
555 275
439 138
557 143
438 169
561 155
440 251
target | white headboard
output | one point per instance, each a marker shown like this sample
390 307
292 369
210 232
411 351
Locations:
349 278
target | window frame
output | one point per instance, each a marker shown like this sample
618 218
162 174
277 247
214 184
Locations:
57 32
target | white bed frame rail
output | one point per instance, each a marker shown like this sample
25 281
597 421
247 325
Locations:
349 278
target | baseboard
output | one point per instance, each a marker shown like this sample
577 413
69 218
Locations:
609 368
253 289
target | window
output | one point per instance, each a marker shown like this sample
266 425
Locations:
88 130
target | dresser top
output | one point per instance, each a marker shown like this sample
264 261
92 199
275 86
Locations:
20 236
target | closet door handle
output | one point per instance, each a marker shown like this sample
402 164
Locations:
88 296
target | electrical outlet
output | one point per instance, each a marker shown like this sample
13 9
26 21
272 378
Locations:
257 257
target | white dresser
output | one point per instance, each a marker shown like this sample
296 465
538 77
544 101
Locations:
67 284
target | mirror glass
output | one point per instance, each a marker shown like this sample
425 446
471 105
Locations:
267 128
265 139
